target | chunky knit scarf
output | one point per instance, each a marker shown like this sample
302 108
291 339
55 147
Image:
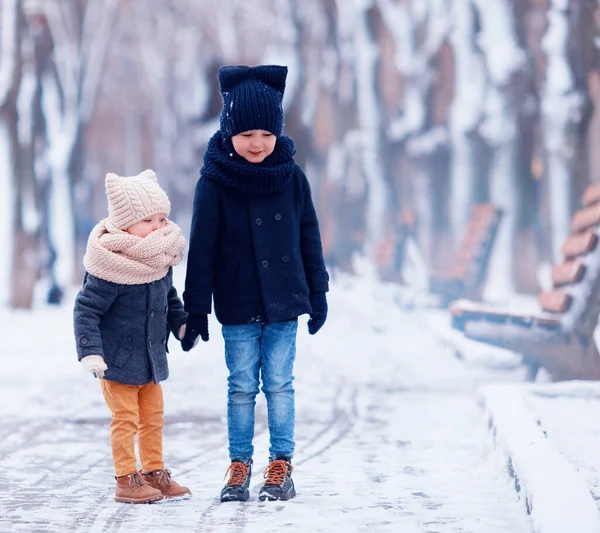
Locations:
115 255
222 165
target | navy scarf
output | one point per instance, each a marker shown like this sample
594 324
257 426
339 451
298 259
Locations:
223 166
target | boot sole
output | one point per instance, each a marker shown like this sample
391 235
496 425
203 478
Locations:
269 497
152 499
184 496
236 498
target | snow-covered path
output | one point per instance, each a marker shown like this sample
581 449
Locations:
390 433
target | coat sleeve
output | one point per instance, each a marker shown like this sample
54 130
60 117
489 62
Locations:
310 241
94 299
200 274
176 316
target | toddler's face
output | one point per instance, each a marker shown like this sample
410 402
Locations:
254 145
148 225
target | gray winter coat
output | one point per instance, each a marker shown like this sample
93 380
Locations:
128 325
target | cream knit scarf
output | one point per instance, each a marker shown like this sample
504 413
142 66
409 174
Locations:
115 255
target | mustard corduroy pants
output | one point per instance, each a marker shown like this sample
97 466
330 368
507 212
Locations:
135 409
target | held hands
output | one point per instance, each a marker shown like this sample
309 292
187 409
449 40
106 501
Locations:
94 363
181 335
197 325
318 302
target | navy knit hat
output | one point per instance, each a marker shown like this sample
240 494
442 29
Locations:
252 98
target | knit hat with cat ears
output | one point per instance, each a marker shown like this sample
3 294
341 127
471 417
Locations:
252 98
134 198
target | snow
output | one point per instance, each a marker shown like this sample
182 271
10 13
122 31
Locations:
7 214
390 432
465 112
8 22
368 118
560 106
557 495
8 28
402 424
497 27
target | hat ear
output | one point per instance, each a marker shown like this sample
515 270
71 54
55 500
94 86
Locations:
149 175
230 77
272 75
111 181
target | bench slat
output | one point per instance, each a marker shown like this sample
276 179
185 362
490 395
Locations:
586 218
591 195
464 259
483 210
555 301
465 272
463 311
569 272
579 244
455 272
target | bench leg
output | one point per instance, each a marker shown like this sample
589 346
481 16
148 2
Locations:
572 360
533 368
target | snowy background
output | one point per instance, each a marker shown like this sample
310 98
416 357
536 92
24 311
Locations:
394 105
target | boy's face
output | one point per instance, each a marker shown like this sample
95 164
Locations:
254 145
148 225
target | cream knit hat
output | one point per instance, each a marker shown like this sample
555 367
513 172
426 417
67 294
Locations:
131 199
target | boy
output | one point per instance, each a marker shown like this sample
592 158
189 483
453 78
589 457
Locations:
255 246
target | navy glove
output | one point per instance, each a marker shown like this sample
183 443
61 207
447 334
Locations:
318 302
197 325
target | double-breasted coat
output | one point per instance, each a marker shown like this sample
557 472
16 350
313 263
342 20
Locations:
259 256
129 326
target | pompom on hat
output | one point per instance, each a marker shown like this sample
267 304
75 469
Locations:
252 98
132 199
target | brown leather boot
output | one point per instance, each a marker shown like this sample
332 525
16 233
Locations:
161 480
133 489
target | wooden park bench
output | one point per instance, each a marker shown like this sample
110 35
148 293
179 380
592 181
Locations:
558 337
391 251
465 278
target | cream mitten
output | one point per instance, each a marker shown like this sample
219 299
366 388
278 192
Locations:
182 334
94 363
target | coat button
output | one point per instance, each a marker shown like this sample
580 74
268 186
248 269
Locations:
151 314
258 221
285 258
166 308
277 216
163 342
83 340
265 263
150 344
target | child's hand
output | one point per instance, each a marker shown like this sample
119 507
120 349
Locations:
94 363
318 302
181 336
197 325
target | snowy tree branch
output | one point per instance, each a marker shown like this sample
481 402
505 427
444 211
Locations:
8 42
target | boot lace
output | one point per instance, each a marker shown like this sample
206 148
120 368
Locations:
276 471
164 477
135 480
237 474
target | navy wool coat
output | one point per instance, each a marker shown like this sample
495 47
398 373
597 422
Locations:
128 325
259 256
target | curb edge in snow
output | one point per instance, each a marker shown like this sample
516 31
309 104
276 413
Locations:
557 498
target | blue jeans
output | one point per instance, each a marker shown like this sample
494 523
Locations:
266 351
